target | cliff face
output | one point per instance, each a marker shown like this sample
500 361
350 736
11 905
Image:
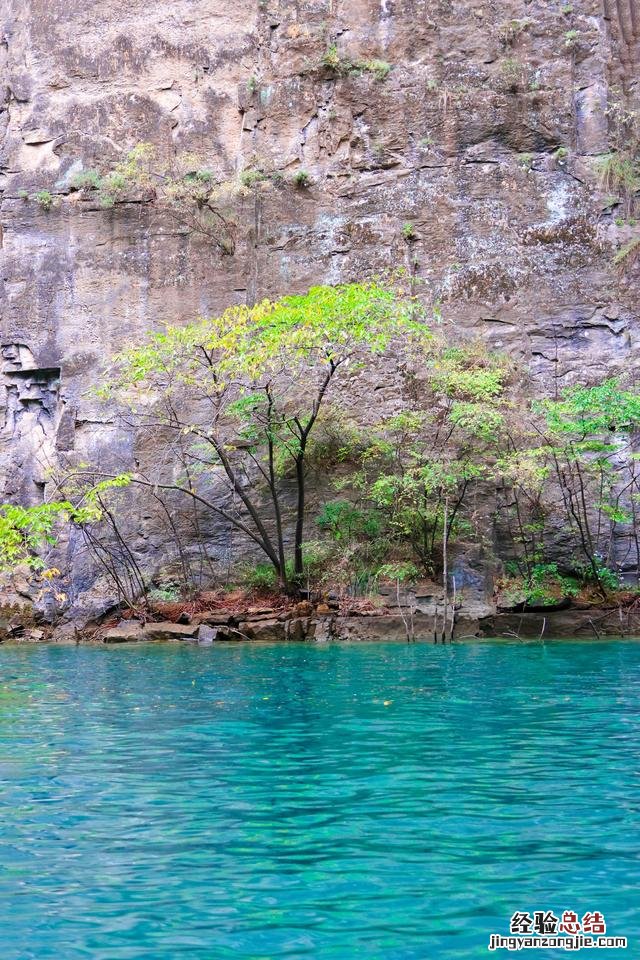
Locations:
472 161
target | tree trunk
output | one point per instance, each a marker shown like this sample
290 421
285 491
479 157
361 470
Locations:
298 565
445 570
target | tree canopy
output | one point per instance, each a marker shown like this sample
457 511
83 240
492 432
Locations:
239 396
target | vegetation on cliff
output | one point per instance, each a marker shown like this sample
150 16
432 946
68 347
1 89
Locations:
266 420
26 531
240 399
198 198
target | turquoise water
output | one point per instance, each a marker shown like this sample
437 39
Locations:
375 801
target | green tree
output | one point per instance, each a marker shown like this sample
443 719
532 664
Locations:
239 397
587 443
571 478
421 463
26 531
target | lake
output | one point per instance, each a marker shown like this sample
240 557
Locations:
327 801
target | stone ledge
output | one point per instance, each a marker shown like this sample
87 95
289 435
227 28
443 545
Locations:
136 632
472 624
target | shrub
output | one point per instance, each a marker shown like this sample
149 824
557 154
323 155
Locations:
193 193
168 594
379 68
252 176
408 231
86 180
301 179
401 571
618 172
44 198
512 74
111 188
511 29
201 176
544 585
342 520
331 59
262 576
598 574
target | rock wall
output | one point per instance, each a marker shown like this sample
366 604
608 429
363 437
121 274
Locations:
483 136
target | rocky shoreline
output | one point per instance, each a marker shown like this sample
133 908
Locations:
303 623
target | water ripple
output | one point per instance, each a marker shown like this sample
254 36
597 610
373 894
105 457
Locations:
334 802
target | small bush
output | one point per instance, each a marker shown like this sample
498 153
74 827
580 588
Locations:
331 59
86 180
201 176
44 198
608 578
512 74
379 68
168 594
111 188
402 571
301 179
571 38
342 521
618 172
262 576
511 29
252 177
543 586
408 231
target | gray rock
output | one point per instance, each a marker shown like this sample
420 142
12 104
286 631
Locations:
206 635
264 630
129 631
170 631
322 630
215 619
297 629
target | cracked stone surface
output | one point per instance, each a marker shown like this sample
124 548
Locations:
484 136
